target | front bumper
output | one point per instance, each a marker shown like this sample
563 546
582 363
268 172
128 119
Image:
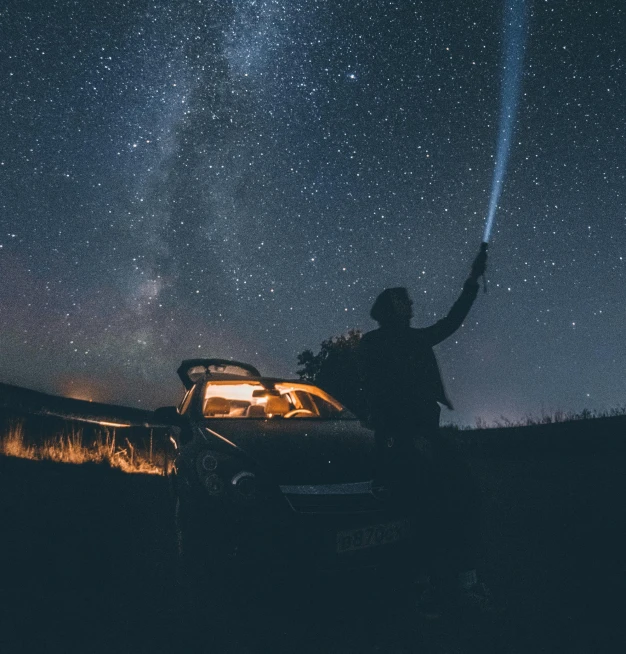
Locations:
303 530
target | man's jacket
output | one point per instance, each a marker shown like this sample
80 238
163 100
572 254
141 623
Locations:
400 374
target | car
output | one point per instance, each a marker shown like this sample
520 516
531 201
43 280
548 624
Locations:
276 475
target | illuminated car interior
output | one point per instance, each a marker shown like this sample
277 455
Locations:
251 399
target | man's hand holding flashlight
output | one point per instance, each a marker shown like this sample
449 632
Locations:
479 265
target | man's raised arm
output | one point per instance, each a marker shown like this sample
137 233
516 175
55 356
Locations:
457 314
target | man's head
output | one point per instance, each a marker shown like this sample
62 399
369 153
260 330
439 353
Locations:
393 307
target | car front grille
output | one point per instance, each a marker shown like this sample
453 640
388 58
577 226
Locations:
333 498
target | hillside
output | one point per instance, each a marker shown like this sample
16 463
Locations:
89 565
18 400
592 434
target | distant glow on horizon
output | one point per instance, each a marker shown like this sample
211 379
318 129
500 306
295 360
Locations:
514 44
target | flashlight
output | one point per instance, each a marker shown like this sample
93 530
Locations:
483 249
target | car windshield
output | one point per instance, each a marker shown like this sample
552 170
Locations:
251 399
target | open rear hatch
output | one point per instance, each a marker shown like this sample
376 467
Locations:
192 371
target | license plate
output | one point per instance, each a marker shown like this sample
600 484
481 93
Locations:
358 539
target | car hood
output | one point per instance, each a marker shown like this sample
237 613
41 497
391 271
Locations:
300 451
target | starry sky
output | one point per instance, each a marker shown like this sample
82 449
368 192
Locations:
241 179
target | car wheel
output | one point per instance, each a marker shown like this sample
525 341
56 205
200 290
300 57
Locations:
192 552
178 530
203 591
204 575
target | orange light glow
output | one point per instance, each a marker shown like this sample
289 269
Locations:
84 389
69 448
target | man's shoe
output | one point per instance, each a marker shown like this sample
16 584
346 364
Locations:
476 598
434 602
430 604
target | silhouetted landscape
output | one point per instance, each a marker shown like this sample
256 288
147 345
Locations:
90 565
420 203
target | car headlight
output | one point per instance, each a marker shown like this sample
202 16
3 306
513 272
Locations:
244 486
221 475
210 469
209 462
214 485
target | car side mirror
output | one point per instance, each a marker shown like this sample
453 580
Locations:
167 415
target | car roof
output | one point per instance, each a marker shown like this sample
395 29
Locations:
192 371
265 381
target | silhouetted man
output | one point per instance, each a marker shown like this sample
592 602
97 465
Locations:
404 389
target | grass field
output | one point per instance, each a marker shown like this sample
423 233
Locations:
88 560
70 445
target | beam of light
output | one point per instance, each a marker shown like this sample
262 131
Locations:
514 44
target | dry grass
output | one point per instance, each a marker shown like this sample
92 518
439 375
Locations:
68 447
550 418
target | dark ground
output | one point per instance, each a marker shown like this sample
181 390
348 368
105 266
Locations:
88 566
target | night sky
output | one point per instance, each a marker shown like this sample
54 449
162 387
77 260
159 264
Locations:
241 179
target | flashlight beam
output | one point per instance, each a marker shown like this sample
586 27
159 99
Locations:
514 43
